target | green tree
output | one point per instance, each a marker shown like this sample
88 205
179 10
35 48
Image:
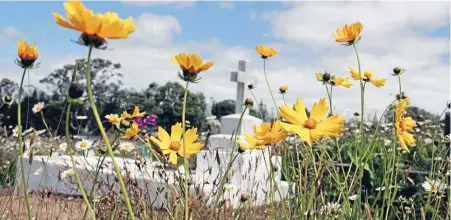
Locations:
169 103
224 107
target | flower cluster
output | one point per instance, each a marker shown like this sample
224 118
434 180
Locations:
132 124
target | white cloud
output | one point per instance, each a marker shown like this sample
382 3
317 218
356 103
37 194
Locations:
9 33
178 4
392 36
156 29
226 5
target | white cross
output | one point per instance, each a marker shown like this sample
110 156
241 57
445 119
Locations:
242 79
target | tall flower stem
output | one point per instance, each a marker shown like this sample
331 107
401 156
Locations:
74 165
19 133
399 82
185 160
362 96
105 137
269 87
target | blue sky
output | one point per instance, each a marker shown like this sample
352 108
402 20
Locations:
412 34
231 26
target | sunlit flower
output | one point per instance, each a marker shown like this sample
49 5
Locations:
173 145
331 209
126 146
191 65
341 81
270 134
16 131
434 186
83 145
404 125
367 77
283 89
323 77
313 128
132 131
252 142
38 107
135 114
265 52
114 119
27 54
95 28
67 173
349 33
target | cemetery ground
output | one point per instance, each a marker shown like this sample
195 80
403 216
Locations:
80 157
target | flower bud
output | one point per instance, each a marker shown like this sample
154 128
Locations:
241 150
93 40
244 197
326 76
248 102
283 89
250 86
356 114
75 90
7 99
397 70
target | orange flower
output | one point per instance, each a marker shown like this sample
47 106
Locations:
191 65
266 52
349 33
27 54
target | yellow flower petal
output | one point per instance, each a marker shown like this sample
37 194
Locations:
176 132
319 110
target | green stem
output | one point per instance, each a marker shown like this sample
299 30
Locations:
329 95
362 97
399 82
269 87
105 137
74 165
185 160
19 133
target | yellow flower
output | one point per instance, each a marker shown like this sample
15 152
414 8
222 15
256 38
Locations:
368 76
404 125
270 134
283 89
319 76
132 131
114 119
27 54
349 33
313 128
173 145
252 142
341 81
266 52
191 65
100 26
135 114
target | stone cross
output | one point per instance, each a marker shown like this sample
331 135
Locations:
242 78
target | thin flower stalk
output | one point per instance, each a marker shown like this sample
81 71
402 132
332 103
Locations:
185 160
74 165
105 137
22 164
